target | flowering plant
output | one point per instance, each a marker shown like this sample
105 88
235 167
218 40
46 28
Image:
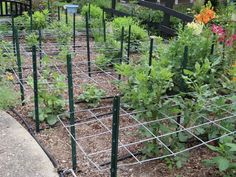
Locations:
206 15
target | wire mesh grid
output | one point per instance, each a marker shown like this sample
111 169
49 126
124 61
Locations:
93 126
94 129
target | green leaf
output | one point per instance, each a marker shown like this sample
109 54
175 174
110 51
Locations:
179 164
213 148
188 72
52 119
183 137
223 163
232 146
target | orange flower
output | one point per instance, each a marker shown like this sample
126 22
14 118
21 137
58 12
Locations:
205 16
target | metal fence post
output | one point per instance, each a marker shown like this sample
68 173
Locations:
104 26
35 77
88 45
13 33
18 57
150 55
40 46
58 13
121 48
71 108
115 135
129 38
74 31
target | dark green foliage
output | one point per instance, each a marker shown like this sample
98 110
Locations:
91 94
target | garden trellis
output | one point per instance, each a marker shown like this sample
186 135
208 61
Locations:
113 128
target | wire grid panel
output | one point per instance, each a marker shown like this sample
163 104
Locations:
94 129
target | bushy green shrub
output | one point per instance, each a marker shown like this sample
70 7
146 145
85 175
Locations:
91 94
102 61
95 11
40 19
62 31
138 34
31 40
9 97
110 48
225 162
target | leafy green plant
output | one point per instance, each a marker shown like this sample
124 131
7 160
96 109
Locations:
225 162
138 34
31 40
9 97
91 94
95 11
7 58
40 19
109 49
51 98
102 61
63 32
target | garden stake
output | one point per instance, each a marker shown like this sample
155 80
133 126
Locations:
184 65
128 50
185 60
19 67
182 86
35 77
74 31
71 107
89 11
150 55
115 135
66 13
121 48
104 26
13 33
88 45
40 46
48 5
59 13
31 17
223 50
212 47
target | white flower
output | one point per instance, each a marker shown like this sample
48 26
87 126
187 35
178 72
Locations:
196 27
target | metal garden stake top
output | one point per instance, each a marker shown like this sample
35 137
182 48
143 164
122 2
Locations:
71 8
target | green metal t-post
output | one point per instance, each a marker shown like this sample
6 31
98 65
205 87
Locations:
115 135
13 33
88 44
58 13
113 6
121 47
72 114
74 31
150 55
104 26
129 41
31 16
35 77
66 14
183 67
18 57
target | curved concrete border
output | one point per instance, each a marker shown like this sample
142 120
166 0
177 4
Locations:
20 154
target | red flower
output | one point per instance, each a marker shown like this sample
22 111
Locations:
218 30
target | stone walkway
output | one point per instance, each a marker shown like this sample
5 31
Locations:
20 155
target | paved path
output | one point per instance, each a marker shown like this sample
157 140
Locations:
20 155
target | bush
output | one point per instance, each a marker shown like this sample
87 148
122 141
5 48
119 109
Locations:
138 34
9 97
95 11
